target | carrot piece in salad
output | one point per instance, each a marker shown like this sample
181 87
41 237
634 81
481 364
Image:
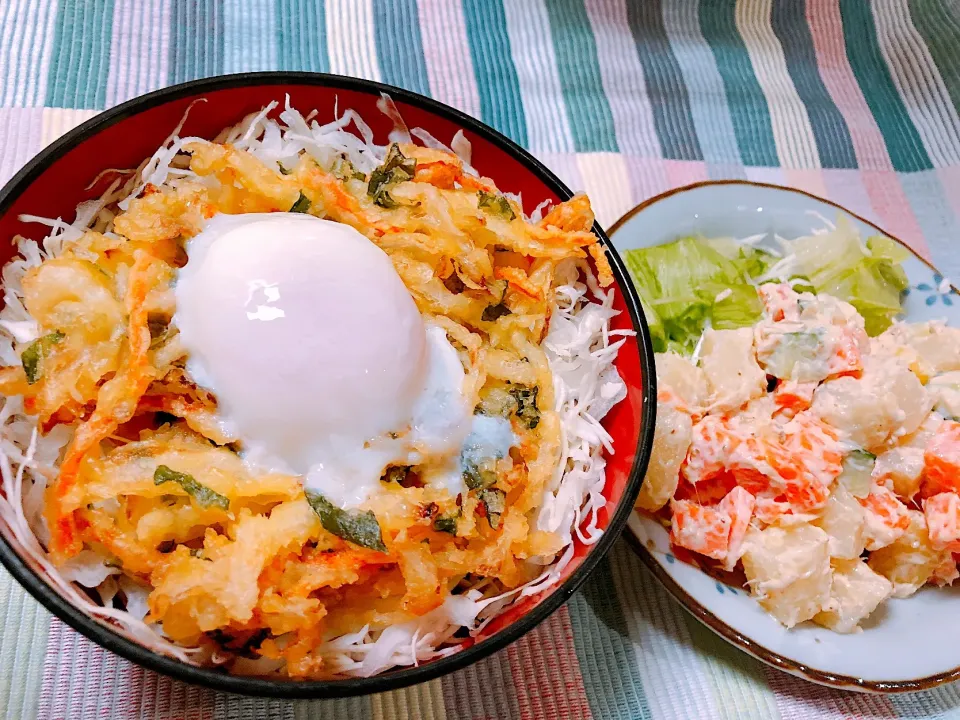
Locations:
739 505
703 529
794 396
942 513
886 518
846 358
941 461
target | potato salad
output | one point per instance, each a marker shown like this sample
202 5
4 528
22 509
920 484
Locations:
820 461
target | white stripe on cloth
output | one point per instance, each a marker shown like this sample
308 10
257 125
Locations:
350 39
607 184
57 121
446 51
623 79
23 635
20 138
918 81
139 48
792 132
26 43
531 45
250 35
671 670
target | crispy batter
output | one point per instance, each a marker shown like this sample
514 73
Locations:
255 562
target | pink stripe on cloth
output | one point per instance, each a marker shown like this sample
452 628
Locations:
82 680
648 177
684 172
826 26
846 188
810 181
801 700
546 672
893 209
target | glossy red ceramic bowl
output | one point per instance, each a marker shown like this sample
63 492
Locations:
55 181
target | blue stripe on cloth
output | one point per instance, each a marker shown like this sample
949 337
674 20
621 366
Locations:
80 63
196 42
604 650
302 36
670 101
713 126
939 224
748 106
399 44
829 128
869 67
501 105
27 28
250 35
588 111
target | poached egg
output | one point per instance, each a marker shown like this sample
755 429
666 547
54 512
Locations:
320 361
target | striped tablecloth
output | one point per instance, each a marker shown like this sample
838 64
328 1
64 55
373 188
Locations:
623 98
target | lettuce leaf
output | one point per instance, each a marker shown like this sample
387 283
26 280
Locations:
679 284
869 277
693 283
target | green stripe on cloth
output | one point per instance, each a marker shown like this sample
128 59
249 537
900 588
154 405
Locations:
902 140
834 145
80 63
196 42
940 30
748 106
499 88
672 116
588 111
23 639
302 36
399 44
605 652
356 708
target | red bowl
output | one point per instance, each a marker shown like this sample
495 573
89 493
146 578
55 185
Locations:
56 180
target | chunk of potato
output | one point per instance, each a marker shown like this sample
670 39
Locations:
903 465
730 364
843 521
855 592
928 348
788 569
910 561
886 403
671 440
683 378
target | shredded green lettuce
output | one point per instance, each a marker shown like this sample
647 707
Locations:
693 283
680 283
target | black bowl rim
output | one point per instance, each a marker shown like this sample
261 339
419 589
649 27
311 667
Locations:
395 679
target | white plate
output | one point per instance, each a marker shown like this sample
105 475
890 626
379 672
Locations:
907 644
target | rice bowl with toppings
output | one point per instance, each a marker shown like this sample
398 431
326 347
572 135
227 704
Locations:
139 466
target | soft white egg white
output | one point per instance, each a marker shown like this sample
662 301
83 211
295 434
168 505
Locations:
319 359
